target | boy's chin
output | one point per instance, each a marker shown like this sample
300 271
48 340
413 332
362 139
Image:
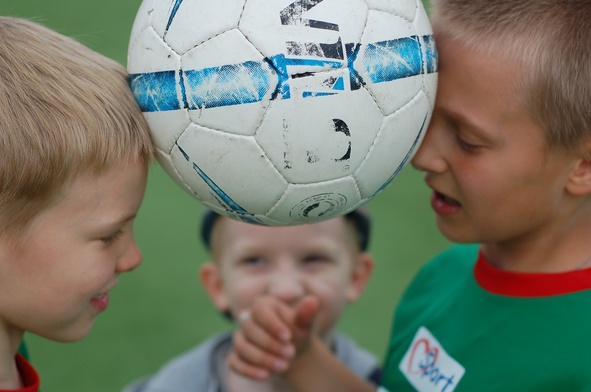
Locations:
456 233
70 334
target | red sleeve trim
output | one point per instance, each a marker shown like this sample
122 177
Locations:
517 284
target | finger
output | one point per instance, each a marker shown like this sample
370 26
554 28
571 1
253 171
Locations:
246 369
259 336
274 316
255 356
305 313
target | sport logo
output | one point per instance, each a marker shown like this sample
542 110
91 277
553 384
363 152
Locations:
428 367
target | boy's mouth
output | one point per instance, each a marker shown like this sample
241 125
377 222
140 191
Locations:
101 301
444 205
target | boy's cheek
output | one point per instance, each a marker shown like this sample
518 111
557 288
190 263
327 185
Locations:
242 292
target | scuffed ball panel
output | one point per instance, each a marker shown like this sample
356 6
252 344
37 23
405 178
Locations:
156 86
231 47
306 203
390 61
188 23
315 140
383 26
395 145
259 219
228 83
430 90
314 29
150 53
165 161
212 163
403 8
430 54
175 121
141 22
421 22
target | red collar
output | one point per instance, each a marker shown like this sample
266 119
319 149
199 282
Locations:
518 284
28 374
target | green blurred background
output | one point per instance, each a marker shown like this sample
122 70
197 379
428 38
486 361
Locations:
160 310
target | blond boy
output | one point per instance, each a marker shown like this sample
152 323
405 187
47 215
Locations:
508 157
74 150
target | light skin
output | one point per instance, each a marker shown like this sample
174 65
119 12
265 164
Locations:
288 264
495 182
58 281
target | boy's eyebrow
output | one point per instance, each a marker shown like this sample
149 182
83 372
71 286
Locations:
117 222
461 118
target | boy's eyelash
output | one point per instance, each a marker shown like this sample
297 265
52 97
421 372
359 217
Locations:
316 258
110 239
252 260
464 145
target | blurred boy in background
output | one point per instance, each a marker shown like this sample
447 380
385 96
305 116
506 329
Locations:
328 260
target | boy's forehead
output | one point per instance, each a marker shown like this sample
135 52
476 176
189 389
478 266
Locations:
226 230
225 225
357 221
467 74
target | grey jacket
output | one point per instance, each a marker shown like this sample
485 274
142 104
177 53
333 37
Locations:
200 368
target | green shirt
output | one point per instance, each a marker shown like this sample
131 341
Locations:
463 325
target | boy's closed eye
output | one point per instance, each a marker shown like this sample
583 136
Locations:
110 233
466 145
111 238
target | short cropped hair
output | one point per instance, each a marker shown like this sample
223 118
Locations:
65 111
359 219
551 40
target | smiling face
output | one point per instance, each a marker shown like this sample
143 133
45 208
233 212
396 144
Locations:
58 281
494 179
320 259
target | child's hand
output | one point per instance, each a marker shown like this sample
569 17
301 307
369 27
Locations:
271 335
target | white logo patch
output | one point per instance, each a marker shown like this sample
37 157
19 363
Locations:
428 367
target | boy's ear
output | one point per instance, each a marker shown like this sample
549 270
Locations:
212 282
579 183
359 276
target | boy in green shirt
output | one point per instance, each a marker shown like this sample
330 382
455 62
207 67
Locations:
508 157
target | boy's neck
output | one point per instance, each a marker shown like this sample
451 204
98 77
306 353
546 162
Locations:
238 383
540 256
9 375
10 339
564 245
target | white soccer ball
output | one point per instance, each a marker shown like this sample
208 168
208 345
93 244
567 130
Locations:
284 112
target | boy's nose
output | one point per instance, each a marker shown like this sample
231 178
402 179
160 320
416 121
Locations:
429 156
131 259
288 287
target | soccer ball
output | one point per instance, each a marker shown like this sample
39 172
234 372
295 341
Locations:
284 112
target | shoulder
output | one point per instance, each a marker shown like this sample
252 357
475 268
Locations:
449 265
456 256
453 260
360 361
192 370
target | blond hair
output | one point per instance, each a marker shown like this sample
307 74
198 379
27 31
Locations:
65 110
549 39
